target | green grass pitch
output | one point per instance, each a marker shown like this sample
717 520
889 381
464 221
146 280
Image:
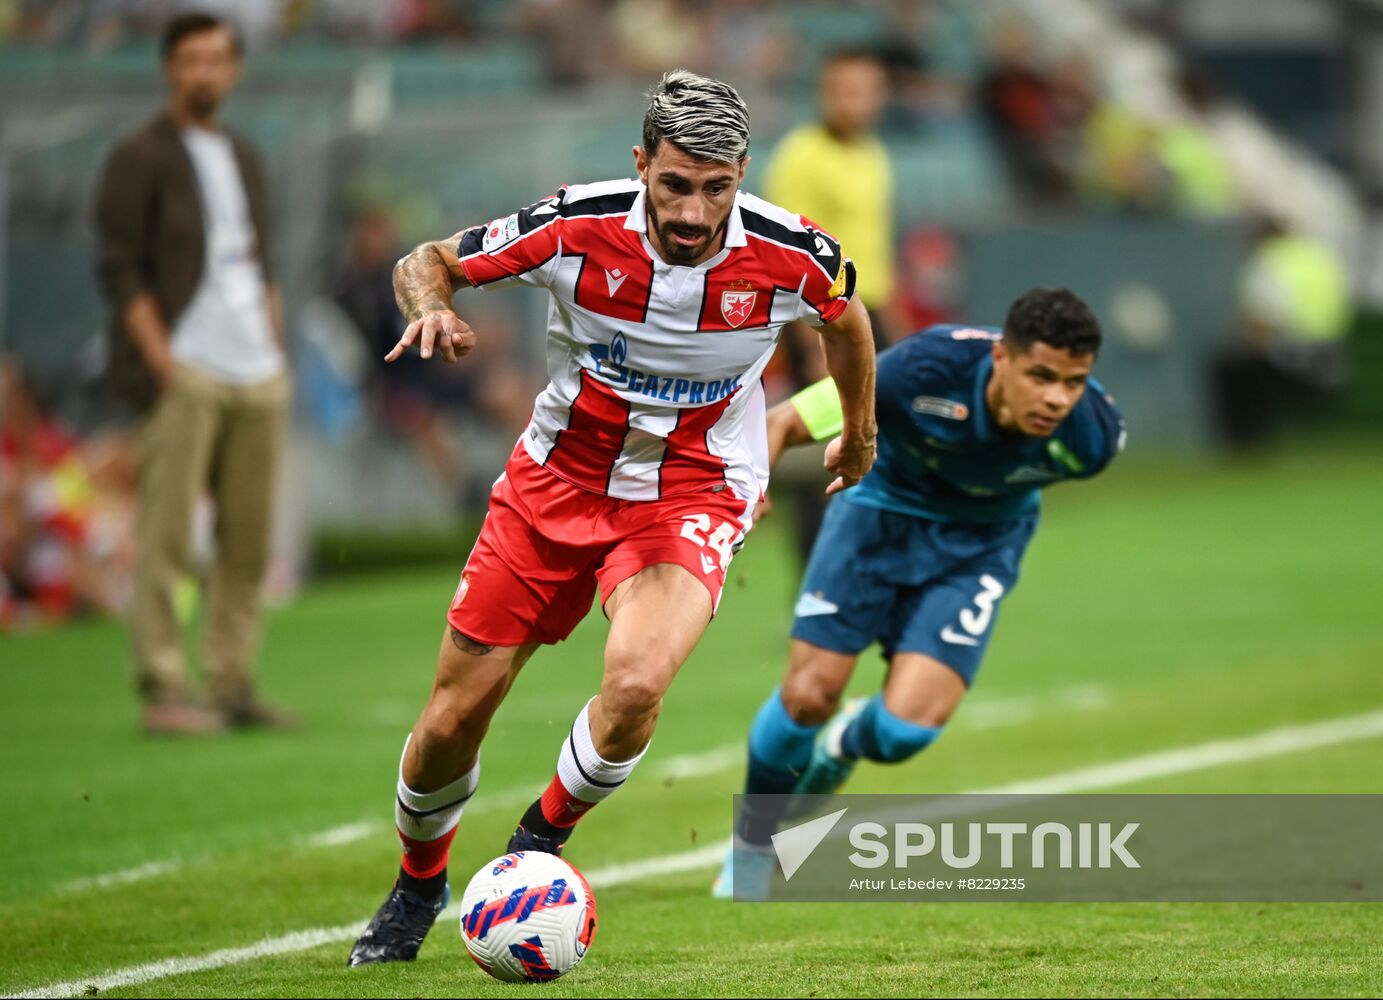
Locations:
1162 606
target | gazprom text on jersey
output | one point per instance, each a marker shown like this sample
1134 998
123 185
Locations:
609 365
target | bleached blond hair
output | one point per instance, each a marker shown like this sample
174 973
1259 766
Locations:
703 117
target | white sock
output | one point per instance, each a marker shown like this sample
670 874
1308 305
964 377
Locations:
583 772
429 815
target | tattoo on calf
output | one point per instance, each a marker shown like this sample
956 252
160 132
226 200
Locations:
468 645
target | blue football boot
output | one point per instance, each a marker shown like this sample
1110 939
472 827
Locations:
397 930
746 874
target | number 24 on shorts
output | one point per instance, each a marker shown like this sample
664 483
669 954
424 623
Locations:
721 541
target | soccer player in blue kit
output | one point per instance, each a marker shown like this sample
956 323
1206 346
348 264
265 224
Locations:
973 423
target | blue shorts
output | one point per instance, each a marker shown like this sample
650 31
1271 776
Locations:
915 585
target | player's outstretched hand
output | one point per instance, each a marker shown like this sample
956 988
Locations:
849 460
441 329
762 509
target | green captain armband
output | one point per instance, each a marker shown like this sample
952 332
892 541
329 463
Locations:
819 407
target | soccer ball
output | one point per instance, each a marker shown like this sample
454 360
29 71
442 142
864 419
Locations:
527 917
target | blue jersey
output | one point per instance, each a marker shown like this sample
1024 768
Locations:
941 456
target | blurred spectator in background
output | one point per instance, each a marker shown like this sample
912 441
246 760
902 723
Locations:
1075 94
415 399
1175 166
751 42
1198 171
1294 307
1018 100
651 35
573 37
66 512
433 21
930 279
934 54
836 172
183 228
952 32
1121 166
364 289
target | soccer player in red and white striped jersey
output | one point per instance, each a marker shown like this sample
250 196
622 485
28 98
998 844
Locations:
641 464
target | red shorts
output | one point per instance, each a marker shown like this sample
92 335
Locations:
546 544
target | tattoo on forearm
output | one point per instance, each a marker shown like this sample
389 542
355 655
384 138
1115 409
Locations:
468 645
422 283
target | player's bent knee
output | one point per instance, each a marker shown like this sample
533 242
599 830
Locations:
440 724
460 711
809 704
815 681
634 663
923 691
812 696
628 698
934 714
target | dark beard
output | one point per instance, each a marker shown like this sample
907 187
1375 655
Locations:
675 251
202 106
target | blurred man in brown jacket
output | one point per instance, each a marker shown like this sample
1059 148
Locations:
198 346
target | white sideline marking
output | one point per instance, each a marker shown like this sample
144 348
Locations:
122 877
682 766
304 940
347 833
695 765
137 974
991 713
668 864
1269 743
514 799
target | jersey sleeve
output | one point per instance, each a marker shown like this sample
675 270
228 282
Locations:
819 407
829 284
1095 437
516 249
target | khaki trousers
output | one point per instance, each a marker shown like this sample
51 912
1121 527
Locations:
205 436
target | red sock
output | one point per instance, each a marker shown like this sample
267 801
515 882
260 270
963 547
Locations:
560 807
426 858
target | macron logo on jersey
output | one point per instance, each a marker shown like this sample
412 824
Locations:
613 279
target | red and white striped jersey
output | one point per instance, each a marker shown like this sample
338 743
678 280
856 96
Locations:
655 367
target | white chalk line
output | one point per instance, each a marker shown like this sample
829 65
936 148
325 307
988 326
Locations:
1218 753
124 876
992 713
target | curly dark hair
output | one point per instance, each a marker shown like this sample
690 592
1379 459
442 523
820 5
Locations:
1054 316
